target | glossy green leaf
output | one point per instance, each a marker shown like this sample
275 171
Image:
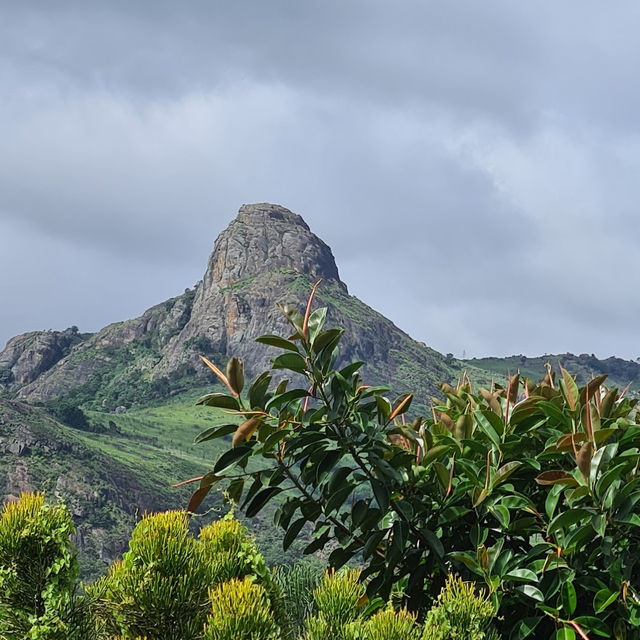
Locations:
220 401
215 432
569 598
261 498
291 361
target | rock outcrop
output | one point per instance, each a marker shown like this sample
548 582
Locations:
266 255
27 356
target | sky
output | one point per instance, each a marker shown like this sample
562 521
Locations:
473 165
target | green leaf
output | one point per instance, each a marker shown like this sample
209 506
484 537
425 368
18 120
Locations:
594 625
552 500
215 432
220 401
566 633
484 421
567 519
505 471
568 598
569 389
291 361
231 457
258 390
277 341
286 397
434 453
316 322
327 340
521 575
337 478
337 498
525 628
292 532
381 494
603 599
234 491
532 592
261 498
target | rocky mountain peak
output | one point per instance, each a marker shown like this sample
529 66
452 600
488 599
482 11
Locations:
266 238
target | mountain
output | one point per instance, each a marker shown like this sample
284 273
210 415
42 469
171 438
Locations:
266 255
136 381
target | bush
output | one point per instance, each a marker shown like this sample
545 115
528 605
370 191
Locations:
460 614
240 611
38 572
297 584
392 625
161 588
531 489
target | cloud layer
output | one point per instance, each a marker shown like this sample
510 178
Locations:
473 166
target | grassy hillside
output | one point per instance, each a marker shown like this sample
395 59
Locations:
620 372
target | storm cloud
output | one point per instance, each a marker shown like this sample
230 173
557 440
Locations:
473 165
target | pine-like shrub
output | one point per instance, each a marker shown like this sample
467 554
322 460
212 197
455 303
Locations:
460 613
297 584
161 588
338 599
392 625
38 572
240 610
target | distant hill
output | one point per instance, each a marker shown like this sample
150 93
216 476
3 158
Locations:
619 372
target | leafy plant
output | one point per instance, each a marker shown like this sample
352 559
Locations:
532 489
38 572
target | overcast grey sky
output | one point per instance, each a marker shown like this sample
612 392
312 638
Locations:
473 165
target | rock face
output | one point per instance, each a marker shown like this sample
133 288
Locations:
28 356
266 255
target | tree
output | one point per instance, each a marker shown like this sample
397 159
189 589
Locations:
533 489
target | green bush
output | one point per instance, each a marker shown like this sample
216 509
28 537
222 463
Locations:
460 614
161 588
38 573
240 610
392 625
297 584
531 489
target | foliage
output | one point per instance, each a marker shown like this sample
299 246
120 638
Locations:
531 488
38 571
388 624
460 614
297 584
240 611
161 587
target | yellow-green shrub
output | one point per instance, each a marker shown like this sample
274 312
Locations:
161 588
460 613
38 570
240 610
392 625
338 600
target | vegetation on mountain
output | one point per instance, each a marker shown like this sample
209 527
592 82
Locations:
533 489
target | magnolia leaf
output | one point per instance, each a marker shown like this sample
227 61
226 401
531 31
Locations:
583 459
556 477
245 430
